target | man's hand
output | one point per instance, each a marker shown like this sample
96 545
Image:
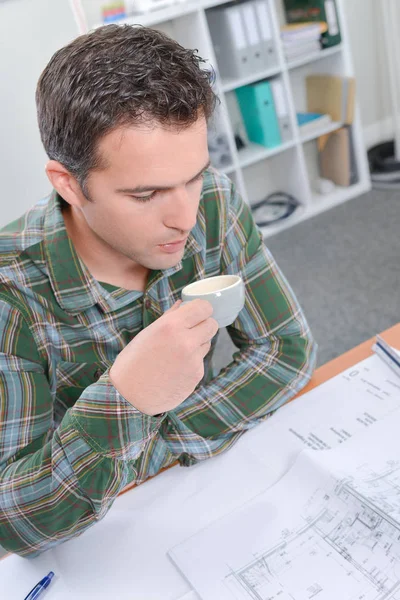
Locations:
162 365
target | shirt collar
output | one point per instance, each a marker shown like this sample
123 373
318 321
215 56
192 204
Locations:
74 288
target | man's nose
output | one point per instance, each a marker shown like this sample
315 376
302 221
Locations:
182 210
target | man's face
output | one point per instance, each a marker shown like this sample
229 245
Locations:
128 211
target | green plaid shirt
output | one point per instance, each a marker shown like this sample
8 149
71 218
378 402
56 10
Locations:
69 442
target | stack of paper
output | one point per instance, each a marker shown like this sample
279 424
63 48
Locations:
302 39
301 11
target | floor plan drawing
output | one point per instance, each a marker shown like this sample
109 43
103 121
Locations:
354 530
328 529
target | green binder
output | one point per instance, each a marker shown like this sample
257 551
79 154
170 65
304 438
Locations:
257 106
300 11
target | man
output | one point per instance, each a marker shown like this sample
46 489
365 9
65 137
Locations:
105 378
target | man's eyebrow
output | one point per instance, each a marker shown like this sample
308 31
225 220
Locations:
148 188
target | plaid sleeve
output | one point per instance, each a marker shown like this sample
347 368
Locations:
276 354
56 483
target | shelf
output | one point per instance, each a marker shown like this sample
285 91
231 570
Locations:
322 131
318 205
255 152
231 84
321 203
157 16
160 15
304 60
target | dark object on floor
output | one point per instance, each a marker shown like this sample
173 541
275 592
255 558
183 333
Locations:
384 166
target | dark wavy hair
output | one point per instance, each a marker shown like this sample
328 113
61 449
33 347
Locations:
117 76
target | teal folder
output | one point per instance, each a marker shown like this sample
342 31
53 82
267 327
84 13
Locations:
258 111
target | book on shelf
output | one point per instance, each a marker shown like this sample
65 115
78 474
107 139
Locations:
300 40
302 50
300 11
302 31
113 11
337 159
312 122
333 95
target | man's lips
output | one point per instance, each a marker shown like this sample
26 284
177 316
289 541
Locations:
174 242
171 247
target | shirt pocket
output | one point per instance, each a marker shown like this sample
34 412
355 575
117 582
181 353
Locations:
71 379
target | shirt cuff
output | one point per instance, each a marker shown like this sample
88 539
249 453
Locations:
109 423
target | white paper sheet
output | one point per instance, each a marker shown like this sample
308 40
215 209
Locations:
125 555
329 529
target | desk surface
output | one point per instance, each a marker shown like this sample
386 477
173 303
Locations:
350 358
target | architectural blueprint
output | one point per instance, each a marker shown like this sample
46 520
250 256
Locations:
329 529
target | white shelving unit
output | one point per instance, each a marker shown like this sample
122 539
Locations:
255 169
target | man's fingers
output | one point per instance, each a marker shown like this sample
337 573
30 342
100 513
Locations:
195 312
173 307
205 348
205 331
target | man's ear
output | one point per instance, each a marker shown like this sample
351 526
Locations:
64 183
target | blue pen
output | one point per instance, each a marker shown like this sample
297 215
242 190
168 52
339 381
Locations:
39 587
387 354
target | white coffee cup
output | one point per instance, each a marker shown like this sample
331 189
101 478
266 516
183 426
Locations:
226 294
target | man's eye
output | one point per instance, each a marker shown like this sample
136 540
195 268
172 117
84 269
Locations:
198 178
143 198
150 196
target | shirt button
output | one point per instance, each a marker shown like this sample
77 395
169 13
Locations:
98 373
147 303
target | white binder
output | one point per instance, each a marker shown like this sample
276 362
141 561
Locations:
264 22
253 37
282 110
230 42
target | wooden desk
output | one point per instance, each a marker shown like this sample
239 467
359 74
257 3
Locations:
350 358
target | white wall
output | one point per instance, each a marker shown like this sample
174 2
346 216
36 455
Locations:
365 24
30 32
